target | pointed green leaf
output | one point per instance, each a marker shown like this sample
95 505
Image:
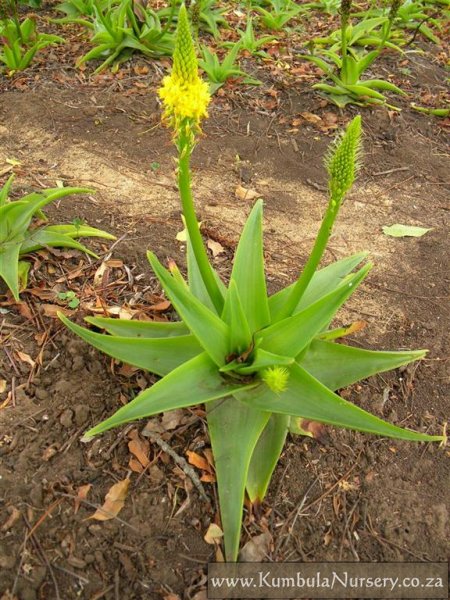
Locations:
265 457
365 62
262 360
78 231
380 84
307 398
330 89
234 429
23 268
290 336
196 283
21 212
326 68
192 383
212 333
157 355
361 90
9 268
338 365
233 314
248 271
4 192
322 282
139 329
40 238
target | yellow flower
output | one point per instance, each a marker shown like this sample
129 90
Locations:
184 100
184 94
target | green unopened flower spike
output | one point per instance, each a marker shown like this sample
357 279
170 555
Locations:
184 94
342 162
346 6
395 5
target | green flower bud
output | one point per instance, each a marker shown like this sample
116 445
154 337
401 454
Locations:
346 6
185 66
342 162
195 14
395 5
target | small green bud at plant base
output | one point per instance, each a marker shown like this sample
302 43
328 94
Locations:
342 162
275 378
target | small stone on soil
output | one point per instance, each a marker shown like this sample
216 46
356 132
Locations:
81 414
66 418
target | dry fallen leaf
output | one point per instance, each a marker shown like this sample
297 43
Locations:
312 429
99 274
311 117
51 310
198 461
160 306
49 453
82 492
43 294
256 549
172 419
213 535
243 193
13 518
114 501
139 448
215 248
135 465
2 386
127 370
24 357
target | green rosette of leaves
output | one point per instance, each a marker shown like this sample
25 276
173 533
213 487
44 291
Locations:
23 229
255 361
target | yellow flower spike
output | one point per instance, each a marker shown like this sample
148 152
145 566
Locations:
342 161
184 94
276 378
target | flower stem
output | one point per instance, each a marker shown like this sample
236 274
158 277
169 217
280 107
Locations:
187 202
314 259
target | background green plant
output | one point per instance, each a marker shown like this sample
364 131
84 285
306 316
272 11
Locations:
20 40
218 71
120 30
20 235
344 66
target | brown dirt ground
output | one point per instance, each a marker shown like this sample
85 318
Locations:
353 497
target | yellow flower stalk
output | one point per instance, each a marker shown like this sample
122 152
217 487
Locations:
184 94
186 98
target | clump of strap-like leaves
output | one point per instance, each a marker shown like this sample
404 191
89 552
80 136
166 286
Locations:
257 362
23 229
20 40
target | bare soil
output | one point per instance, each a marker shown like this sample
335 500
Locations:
351 497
